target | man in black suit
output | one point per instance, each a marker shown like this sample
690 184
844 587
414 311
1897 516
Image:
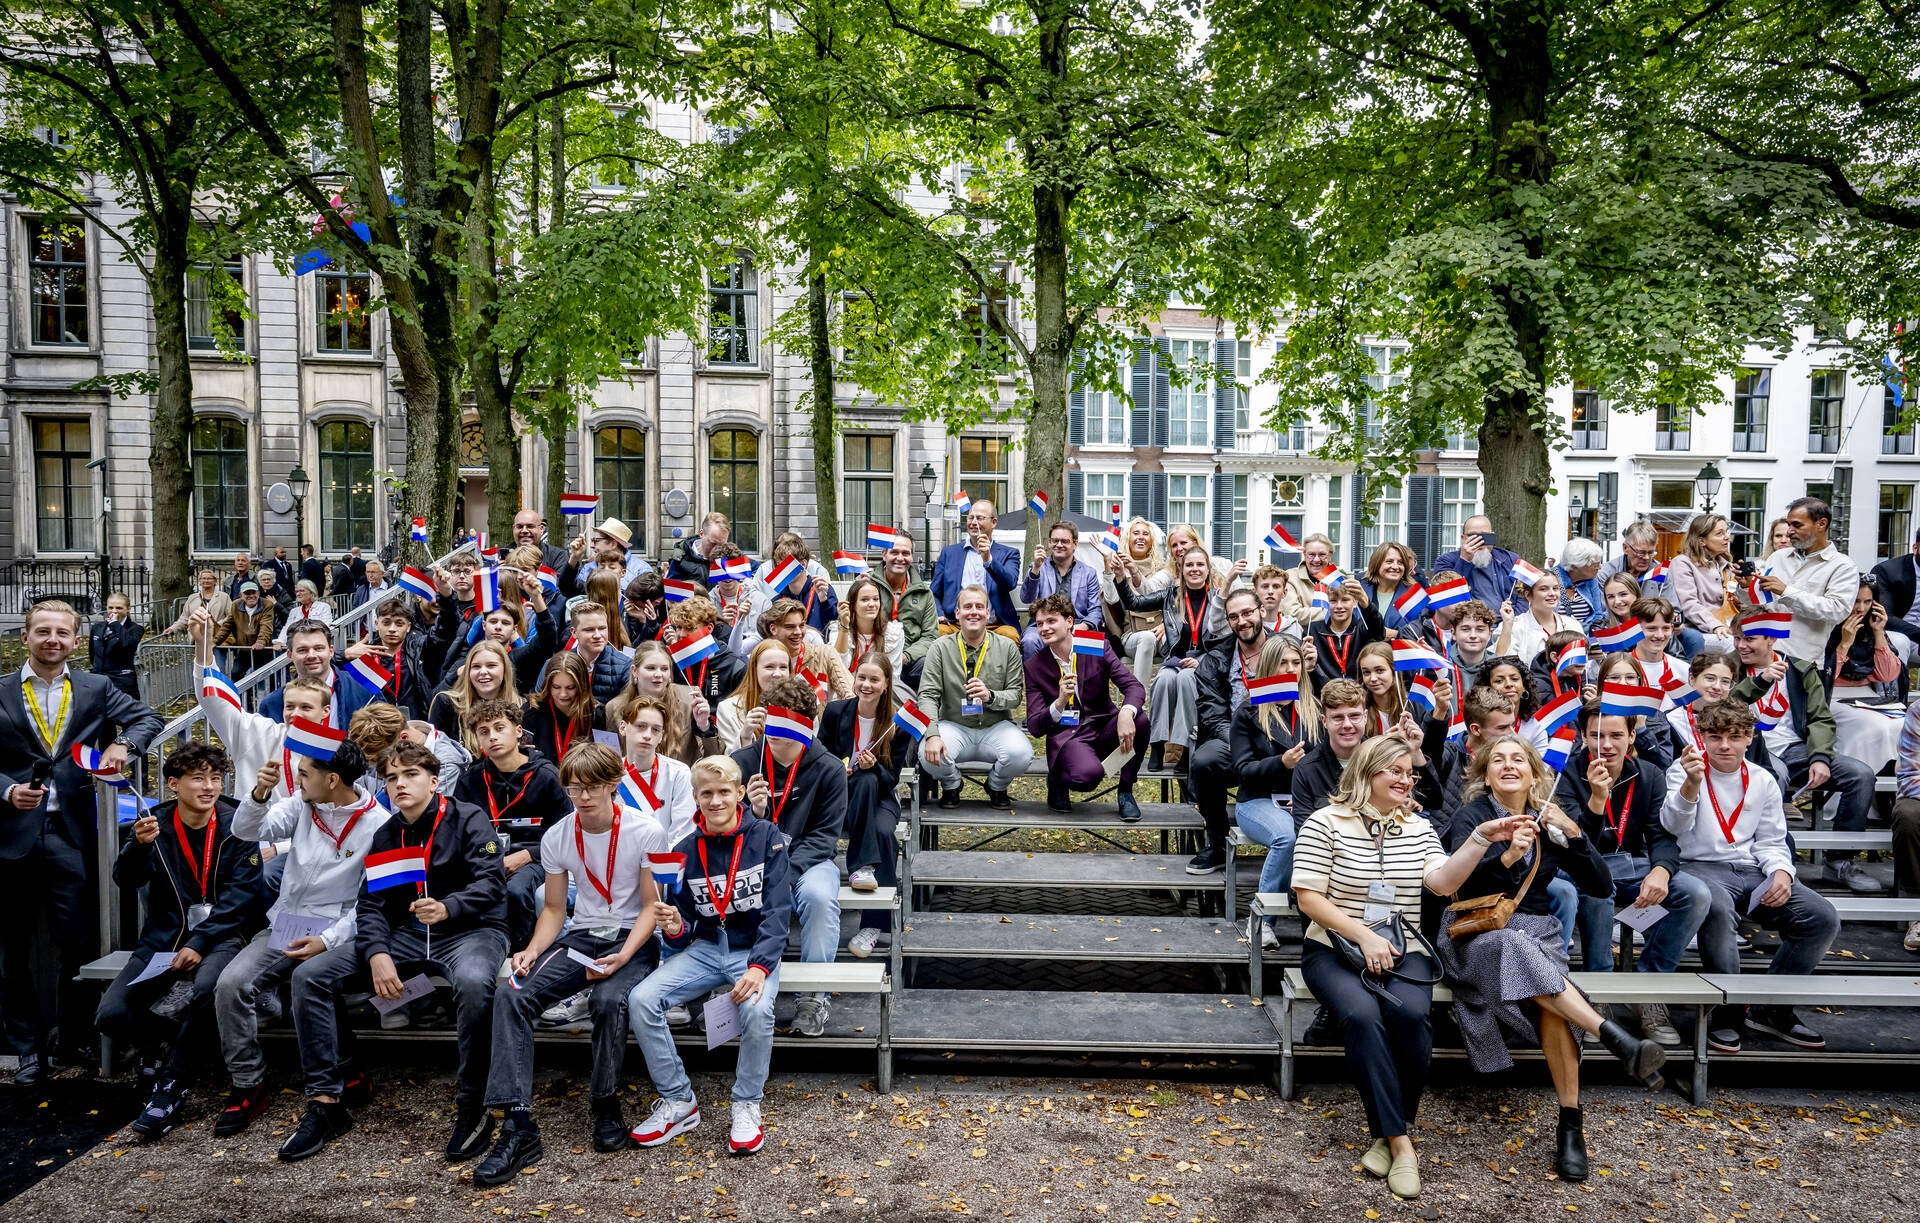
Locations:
281 567
47 823
1897 578
312 568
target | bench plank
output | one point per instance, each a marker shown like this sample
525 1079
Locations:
985 869
1162 1024
990 936
1826 989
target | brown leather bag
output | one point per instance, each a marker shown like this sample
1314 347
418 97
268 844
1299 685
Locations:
1466 918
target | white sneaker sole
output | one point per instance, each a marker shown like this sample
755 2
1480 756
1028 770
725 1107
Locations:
747 1148
688 1122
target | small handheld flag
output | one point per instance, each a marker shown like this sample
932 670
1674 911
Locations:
486 590
1526 574
786 574
549 580
1089 641
693 648
1280 541
393 867
313 740
1420 694
579 503
1412 656
1575 655
1412 601
1777 625
1457 724
215 684
1038 502
1110 540
1769 709
679 591
786 724
1560 712
420 530
850 564
1271 689
668 870
1656 576
1559 749
1757 594
415 582
909 718
367 671
1629 700
1321 603
962 503
730 569
93 762
1333 577
1615 640
1448 590
1113 516
1683 696
879 537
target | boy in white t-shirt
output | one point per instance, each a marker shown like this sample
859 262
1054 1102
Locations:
663 785
603 848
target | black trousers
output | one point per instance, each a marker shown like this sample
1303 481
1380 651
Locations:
872 813
55 878
1210 773
124 1015
1389 1047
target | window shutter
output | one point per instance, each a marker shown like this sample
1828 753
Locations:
1162 400
1357 547
1420 518
1076 494
1226 398
1157 492
1077 403
1140 418
1139 501
1223 514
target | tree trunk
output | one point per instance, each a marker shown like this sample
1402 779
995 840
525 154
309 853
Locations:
169 453
557 418
821 407
1051 359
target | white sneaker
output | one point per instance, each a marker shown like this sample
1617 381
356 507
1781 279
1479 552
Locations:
864 880
746 1135
1912 941
863 942
679 1016
1269 941
668 1118
571 1009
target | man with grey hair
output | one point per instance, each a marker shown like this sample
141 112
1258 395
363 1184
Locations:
1639 553
1579 570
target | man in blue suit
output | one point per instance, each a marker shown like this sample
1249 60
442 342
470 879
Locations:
980 562
310 650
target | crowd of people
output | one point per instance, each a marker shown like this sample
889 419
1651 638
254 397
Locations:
593 791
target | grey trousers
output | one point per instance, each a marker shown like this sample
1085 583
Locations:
1173 704
316 983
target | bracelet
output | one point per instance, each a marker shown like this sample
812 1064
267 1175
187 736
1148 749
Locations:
1480 838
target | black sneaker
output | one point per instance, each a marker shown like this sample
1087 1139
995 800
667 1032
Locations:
319 1125
1208 861
28 1073
609 1127
472 1131
243 1105
162 1112
356 1092
1321 1029
998 800
1724 1040
1781 1023
1129 808
949 799
518 1146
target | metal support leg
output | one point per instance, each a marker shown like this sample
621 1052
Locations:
883 1071
1286 1042
1702 1017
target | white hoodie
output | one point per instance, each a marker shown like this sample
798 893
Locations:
322 880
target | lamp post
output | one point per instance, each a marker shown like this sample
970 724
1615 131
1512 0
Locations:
1576 512
297 484
1708 482
928 477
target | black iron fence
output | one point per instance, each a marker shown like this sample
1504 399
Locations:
85 584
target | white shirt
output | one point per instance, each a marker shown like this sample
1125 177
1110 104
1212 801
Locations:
1759 830
1820 591
974 571
321 611
639 836
673 786
46 694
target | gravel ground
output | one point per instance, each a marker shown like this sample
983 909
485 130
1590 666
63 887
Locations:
1039 1148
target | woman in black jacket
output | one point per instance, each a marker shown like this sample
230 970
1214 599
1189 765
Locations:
860 731
114 644
1514 979
1268 740
562 713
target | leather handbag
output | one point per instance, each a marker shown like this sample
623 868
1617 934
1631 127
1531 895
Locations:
1402 938
1466 918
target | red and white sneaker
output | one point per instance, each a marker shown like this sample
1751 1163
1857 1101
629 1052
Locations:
746 1135
668 1119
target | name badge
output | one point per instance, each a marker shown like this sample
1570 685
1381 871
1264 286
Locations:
1380 891
1376 913
532 821
1070 717
972 708
197 914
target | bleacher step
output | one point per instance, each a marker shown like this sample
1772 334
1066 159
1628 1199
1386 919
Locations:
1033 814
1200 1024
1099 869
991 936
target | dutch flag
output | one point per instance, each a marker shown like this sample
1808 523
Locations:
1559 713
1615 640
312 739
1321 603
549 580
1038 502
880 538
1271 689
1777 625
730 569
415 582
1769 709
850 564
1110 540
1629 700
909 718
91 761
1656 576
789 572
1448 591
679 591
1756 595
1457 724
1683 696
1412 601
1559 749
1089 641
962 503
368 672
215 684
1420 693
694 648
667 870
1526 574
786 724
486 590
1333 577
420 530
579 503
393 867
1412 656
1575 655
1278 540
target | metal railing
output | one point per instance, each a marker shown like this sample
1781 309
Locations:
82 583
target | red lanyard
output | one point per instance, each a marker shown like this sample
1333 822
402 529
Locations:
721 900
428 843
808 610
398 650
700 685
492 808
785 790
646 783
1727 822
339 842
1341 655
1626 809
558 742
202 874
613 843
1196 617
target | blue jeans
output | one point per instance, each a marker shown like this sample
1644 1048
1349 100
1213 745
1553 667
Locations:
1563 900
1686 906
816 906
1267 823
683 977
1692 641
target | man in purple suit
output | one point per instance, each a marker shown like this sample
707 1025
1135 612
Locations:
1071 700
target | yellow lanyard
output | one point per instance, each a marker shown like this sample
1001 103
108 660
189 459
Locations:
978 659
1070 663
50 734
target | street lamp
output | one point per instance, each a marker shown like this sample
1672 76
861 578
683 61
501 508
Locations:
1576 512
1708 482
928 477
297 484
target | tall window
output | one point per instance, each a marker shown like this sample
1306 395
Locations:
1896 520
214 316
63 487
1589 418
1104 491
1459 501
1386 517
346 485
977 313
611 170
1386 361
620 476
983 469
1239 547
1243 384
1672 428
1107 416
1825 402
868 492
345 325
220 484
1336 511
57 279
1583 509
1190 392
732 316
1747 509
733 481
1752 396
1895 436
1187 502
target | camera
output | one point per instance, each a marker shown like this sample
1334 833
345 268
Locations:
1745 568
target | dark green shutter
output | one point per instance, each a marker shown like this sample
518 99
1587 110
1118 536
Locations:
1162 401
1226 397
1077 403
1140 418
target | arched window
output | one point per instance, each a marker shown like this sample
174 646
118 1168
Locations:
346 486
220 484
733 482
620 477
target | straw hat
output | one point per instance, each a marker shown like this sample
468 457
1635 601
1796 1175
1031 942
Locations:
617 529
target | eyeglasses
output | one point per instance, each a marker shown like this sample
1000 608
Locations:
1645 554
579 792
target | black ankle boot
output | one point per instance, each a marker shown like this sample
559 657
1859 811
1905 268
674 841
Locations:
1642 1058
1570 1155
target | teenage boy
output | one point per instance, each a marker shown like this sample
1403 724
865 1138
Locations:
1338 638
725 925
204 899
456 919
1270 586
522 797
1086 708
1617 797
329 824
1464 637
712 679
1732 829
973 681
608 666
786 623
254 739
405 653
793 781
1345 719
1220 688
664 783
602 848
